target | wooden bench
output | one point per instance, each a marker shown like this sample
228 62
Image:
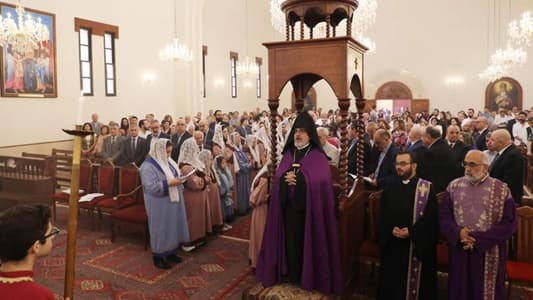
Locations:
25 180
63 165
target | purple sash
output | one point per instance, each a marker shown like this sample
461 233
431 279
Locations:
415 265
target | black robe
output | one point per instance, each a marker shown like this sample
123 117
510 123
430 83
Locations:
294 220
396 209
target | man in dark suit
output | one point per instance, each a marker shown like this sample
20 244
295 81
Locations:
439 166
155 128
134 148
112 147
208 136
385 171
352 153
178 138
459 149
482 128
508 165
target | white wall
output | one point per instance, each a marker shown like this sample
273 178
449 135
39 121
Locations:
419 42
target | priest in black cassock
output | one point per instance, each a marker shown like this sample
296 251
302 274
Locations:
408 233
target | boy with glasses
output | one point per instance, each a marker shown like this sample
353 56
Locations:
25 234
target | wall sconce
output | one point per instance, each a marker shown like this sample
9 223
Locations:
454 80
219 82
148 78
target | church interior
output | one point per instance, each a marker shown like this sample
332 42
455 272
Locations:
349 62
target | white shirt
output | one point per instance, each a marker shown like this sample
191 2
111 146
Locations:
332 152
520 133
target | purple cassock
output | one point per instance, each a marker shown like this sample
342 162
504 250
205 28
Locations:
321 256
488 210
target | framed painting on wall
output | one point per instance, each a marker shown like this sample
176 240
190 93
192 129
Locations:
503 93
29 67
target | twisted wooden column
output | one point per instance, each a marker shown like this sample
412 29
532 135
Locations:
273 104
344 105
349 26
328 25
302 28
292 32
334 31
311 33
360 104
287 31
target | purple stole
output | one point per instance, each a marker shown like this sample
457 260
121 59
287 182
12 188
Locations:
415 265
489 211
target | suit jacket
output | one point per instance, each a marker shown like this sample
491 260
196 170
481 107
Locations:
509 127
208 138
352 159
509 168
459 151
161 135
439 165
177 145
130 155
387 170
480 141
112 151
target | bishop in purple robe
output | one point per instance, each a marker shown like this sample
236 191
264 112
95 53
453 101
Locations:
477 217
300 243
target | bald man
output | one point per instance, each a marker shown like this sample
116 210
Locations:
482 128
477 216
508 164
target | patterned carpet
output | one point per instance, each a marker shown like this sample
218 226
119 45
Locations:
241 228
123 270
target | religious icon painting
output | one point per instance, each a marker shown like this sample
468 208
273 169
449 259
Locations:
504 93
28 54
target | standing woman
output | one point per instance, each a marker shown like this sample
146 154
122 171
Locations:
124 126
88 142
165 205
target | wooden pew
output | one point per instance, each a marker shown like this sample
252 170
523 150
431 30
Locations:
25 180
63 160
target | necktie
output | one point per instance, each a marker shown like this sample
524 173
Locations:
113 140
133 143
494 160
452 144
179 139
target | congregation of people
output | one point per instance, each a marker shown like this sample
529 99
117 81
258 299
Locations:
452 178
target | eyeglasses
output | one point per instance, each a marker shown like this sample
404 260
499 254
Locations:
402 164
469 164
54 231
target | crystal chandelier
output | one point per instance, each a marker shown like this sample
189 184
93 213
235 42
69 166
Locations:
176 51
247 66
520 31
509 57
277 17
494 72
363 19
25 35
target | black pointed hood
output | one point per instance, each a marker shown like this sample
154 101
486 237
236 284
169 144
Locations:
305 121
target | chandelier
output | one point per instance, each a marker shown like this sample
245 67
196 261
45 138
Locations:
520 31
174 50
494 72
25 35
509 57
277 17
247 66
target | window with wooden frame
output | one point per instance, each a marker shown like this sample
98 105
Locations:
234 57
259 62
204 54
109 64
109 33
86 63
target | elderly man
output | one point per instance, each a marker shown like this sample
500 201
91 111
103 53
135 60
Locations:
508 164
439 165
459 148
300 242
482 129
155 128
385 172
477 217
331 151
179 137
112 147
96 124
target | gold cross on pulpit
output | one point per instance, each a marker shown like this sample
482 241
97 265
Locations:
422 189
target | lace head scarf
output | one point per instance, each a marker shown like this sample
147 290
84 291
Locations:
189 154
158 152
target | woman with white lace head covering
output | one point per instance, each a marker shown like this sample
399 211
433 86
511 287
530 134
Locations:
195 193
165 208
215 208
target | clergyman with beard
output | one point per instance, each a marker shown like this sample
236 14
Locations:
300 242
408 234
477 216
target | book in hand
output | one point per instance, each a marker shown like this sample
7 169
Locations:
186 176
369 179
